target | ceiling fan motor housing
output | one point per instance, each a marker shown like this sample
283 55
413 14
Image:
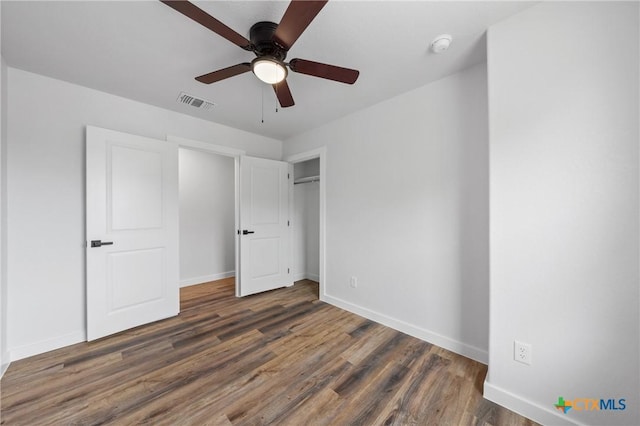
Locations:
261 36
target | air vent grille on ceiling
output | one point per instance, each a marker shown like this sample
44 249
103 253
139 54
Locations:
185 98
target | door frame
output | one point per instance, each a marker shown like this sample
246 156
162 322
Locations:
321 154
209 148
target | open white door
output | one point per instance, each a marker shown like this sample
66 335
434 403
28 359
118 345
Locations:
132 231
264 226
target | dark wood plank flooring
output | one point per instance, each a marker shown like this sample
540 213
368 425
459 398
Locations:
281 357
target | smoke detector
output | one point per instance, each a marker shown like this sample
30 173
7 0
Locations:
441 43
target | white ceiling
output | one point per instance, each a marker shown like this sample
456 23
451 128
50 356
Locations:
146 51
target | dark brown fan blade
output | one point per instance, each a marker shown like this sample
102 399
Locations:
212 77
330 72
296 19
284 94
200 16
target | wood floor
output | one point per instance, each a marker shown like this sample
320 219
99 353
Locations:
281 358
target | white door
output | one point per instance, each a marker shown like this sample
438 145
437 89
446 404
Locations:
132 231
264 232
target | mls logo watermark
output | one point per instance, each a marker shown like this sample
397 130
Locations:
590 404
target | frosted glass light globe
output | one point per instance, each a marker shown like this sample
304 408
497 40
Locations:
269 70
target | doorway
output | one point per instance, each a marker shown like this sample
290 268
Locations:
219 154
306 220
308 213
319 155
207 223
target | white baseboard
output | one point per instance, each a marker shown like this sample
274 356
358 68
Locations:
524 407
3 368
206 278
306 276
460 348
43 346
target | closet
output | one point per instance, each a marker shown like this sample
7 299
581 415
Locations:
306 220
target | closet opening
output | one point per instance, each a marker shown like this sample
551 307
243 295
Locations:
306 221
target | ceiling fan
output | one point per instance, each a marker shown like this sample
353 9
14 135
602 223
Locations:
270 42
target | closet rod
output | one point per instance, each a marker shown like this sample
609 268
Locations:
307 179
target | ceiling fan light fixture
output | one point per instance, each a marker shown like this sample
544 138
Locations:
269 70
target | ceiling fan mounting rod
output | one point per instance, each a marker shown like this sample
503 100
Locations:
261 35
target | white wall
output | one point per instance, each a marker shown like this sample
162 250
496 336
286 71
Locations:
207 224
46 122
407 211
563 97
4 356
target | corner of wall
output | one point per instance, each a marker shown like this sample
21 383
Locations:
524 407
4 355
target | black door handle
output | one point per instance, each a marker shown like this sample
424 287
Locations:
245 232
100 243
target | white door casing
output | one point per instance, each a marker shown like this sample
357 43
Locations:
265 230
131 201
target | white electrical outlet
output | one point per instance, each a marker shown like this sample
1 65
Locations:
522 352
353 282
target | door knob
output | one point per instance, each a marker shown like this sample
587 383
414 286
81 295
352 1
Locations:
100 243
245 232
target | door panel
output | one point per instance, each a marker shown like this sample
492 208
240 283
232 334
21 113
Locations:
132 202
264 214
265 195
132 278
264 254
136 189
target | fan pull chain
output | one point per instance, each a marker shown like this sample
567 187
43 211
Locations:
277 85
262 91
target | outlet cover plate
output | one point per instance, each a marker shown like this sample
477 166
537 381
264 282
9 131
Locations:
522 352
